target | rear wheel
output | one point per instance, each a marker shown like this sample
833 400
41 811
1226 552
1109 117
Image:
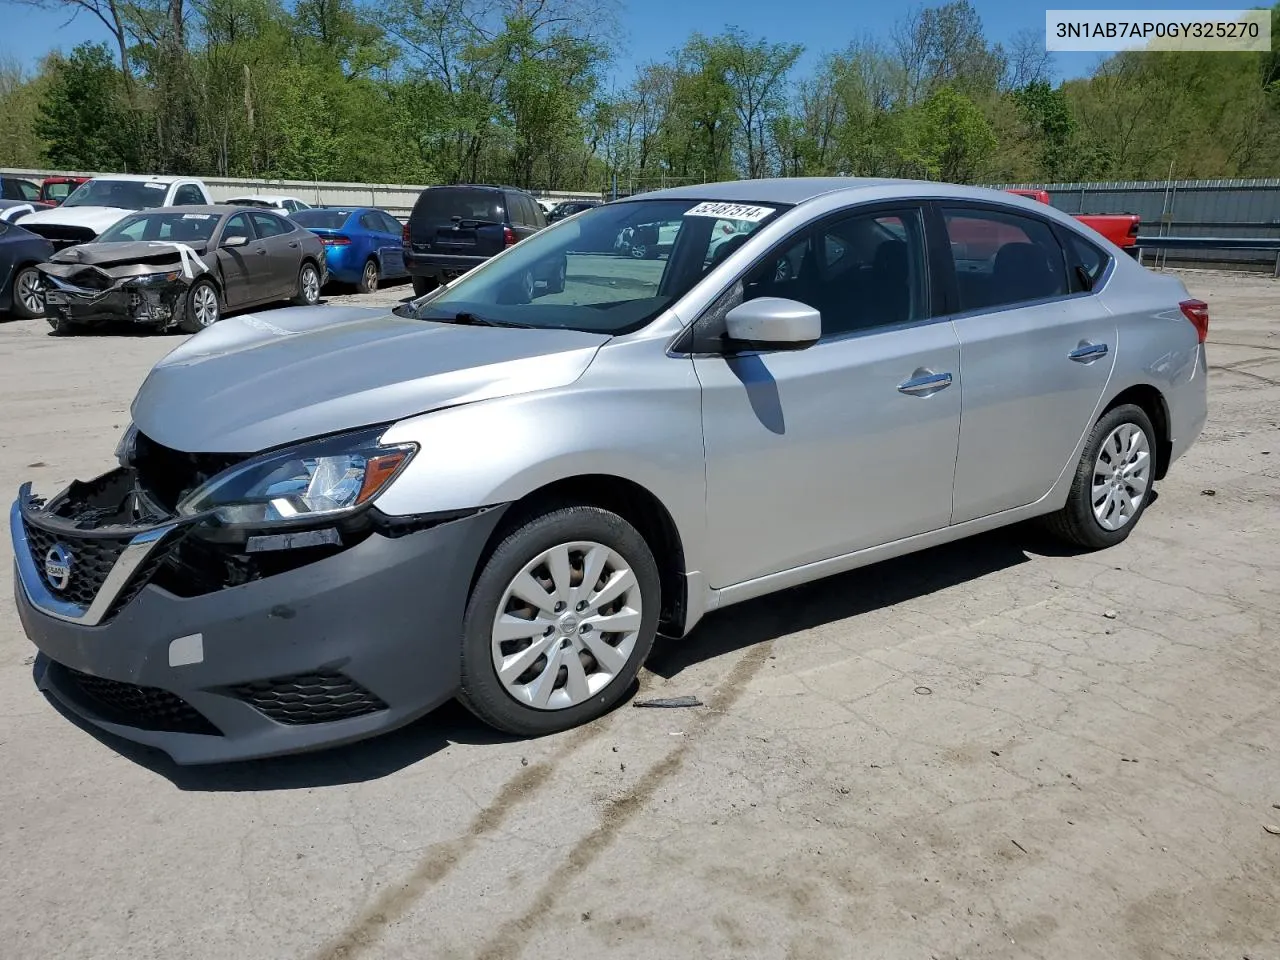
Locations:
424 285
560 620
368 277
308 294
202 307
28 294
1113 480
557 281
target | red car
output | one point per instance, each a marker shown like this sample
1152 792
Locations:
56 189
1120 228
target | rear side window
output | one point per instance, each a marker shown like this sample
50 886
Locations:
188 195
371 222
437 206
390 224
269 226
1003 259
1085 262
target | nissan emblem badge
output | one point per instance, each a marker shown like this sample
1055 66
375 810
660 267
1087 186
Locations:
57 566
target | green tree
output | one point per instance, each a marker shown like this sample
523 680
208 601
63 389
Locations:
83 118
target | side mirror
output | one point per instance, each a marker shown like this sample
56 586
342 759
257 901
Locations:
772 323
236 241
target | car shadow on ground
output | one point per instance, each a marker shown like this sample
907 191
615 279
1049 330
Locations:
833 599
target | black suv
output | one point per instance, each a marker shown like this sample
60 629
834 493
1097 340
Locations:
455 228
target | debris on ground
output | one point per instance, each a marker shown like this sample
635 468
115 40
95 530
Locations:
1110 614
1271 828
923 691
1208 493
669 702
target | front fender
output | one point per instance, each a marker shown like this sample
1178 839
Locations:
635 414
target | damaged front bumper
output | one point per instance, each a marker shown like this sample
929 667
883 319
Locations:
169 632
151 299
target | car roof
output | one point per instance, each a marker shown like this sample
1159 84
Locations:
140 178
779 190
217 209
263 196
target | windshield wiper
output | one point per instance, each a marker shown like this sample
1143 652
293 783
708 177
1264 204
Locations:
468 319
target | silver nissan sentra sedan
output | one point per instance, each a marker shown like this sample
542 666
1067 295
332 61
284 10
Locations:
326 522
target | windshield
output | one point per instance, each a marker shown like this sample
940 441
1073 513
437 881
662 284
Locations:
184 227
125 194
324 219
611 270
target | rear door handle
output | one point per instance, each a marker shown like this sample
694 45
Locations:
1088 352
925 383
261 251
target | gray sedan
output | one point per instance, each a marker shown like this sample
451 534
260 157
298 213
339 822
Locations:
183 267
327 522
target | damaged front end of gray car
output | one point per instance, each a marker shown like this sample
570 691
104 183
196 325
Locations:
113 284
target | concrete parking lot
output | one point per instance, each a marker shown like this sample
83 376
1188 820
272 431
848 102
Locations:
992 749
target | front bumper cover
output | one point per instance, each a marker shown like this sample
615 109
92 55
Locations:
370 635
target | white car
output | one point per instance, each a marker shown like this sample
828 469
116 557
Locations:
286 205
104 201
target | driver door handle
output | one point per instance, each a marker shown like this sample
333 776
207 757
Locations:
925 383
1088 352
261 251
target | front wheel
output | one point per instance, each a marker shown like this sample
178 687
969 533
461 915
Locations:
308 294
560 620
1113 481
202 307
28 294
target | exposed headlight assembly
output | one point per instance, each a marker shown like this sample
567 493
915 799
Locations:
127 446
316 480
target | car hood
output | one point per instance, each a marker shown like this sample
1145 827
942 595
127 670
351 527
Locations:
96 219
257 381
126 251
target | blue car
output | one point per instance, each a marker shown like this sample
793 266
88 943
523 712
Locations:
362 245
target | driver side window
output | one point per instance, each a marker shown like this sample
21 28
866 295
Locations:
860 272
237 226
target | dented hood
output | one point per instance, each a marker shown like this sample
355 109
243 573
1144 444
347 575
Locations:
258 381
111 254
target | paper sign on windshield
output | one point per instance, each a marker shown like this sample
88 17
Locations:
730 211
156 186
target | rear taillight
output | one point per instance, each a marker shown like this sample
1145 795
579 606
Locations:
335 240
404 235
1197 311
508 237
1133 229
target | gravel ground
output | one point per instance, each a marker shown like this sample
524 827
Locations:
956 754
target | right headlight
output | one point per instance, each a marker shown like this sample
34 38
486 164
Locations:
320 479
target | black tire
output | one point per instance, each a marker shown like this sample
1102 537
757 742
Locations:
369 277
1075 523
190 322
304 296
482 691
24 276
556 283
640 251
424 285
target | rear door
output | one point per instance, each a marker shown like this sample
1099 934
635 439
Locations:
458 221
283 254
1036 355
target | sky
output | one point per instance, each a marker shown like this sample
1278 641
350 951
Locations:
651 28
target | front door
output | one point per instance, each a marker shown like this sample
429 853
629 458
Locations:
852 442
238 262
1036 356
